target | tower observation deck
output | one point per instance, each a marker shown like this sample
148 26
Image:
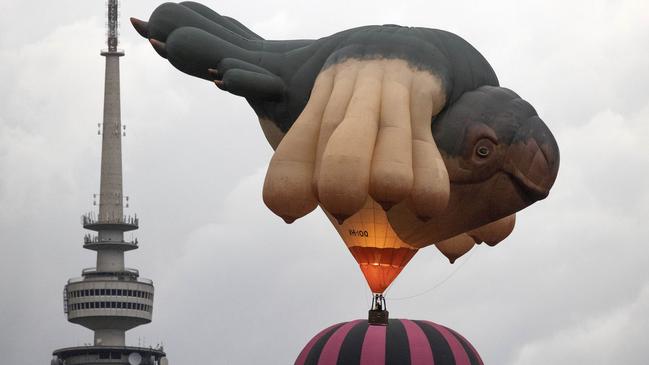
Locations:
110 298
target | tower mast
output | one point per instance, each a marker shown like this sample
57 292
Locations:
110 194
109 298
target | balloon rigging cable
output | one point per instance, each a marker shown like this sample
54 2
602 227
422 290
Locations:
441 282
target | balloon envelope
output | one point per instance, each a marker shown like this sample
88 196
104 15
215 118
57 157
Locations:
402 341
380 253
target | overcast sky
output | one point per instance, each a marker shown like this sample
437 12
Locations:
234 284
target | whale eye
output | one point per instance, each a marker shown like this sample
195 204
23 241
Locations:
483 148
482 151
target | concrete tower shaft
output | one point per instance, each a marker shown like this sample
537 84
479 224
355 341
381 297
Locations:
111 208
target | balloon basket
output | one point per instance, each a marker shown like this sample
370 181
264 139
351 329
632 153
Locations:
378 315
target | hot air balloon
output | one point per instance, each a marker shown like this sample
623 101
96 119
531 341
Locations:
377 249
373 243
403 342
350 117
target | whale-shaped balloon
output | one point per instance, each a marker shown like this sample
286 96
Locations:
412 117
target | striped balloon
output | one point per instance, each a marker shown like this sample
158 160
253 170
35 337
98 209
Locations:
401 342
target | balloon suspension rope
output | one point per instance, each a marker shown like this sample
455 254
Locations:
441 282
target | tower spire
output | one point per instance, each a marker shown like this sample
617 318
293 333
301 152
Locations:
110 298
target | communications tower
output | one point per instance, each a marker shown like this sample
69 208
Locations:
110 299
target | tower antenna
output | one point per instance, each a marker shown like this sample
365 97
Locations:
113 25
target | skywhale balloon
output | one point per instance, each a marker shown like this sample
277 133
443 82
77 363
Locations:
409 119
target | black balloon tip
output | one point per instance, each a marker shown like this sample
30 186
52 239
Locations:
386 205
423 218
476 239
159 47
214 74
141 27
219 84
340 218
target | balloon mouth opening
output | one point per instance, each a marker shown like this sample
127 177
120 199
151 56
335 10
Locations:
533 167
530 190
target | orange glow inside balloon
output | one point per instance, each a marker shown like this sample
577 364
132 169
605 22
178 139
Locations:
380 253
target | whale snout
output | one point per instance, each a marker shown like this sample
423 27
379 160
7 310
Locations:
533 159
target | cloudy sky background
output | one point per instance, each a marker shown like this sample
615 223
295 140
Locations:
234 284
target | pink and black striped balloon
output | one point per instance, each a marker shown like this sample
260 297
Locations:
401 342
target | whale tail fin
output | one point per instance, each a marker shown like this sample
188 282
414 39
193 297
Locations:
202 43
